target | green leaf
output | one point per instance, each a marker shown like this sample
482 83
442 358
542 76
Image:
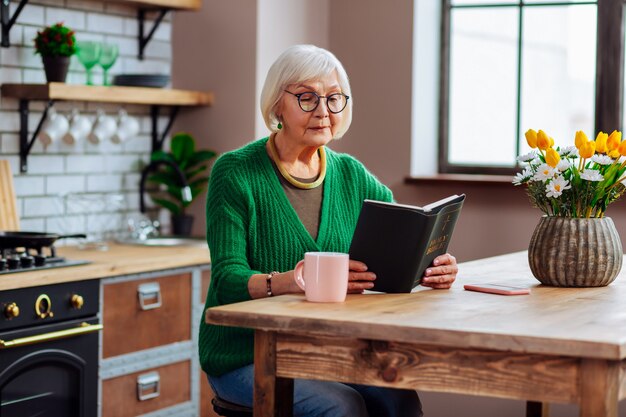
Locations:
183 148
199 157
193 172
164 178
168 205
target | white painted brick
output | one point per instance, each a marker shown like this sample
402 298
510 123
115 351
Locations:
127 47
28 186
103 183
73 19
9 143
18 56
164 32
31 14
139 144
30 32
89 36
42 206
88 164
131 27
34 76
132 200
45 164
61 184
10 75
14 162
32 225
131 182
92 6
122 163
66 225
148 66
157 49
105 23
9 121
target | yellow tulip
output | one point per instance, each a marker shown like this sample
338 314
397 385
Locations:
543 140
614 139
581 139
613 154
531 138
552 157
551 141
601 140
622 148
588 149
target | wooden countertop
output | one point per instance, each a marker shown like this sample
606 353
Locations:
118 260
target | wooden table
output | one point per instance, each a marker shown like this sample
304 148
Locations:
561 345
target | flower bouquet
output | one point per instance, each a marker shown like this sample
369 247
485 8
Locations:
576 181
574 244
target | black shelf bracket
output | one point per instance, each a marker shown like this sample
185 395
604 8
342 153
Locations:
8 21
157 142
25 144
144 39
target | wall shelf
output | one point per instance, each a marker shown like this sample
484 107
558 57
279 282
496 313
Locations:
51 92
162 6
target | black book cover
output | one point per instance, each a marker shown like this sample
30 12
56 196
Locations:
398 242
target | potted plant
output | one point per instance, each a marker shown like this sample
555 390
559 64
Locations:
184 159
574 244
56 44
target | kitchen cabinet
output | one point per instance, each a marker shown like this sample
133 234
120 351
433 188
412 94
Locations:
149 361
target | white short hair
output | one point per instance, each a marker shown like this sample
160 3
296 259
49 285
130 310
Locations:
300 63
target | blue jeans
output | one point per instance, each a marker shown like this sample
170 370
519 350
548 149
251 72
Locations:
323 398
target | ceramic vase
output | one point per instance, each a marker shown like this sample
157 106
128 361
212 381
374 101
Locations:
574 252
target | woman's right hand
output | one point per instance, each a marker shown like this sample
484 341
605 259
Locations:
359 278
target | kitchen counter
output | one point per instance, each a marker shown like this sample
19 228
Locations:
118 260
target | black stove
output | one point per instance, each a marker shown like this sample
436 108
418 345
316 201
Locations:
14 260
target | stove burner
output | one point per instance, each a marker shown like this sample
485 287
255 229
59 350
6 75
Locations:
14 260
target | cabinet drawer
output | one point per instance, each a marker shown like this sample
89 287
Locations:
160 387
146 313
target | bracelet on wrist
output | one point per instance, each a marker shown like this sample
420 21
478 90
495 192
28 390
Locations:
268 281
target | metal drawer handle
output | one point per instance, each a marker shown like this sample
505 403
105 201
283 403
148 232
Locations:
147 292
61 334
148 386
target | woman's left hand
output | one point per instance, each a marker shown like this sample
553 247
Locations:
442 273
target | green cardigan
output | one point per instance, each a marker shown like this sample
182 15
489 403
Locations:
253 229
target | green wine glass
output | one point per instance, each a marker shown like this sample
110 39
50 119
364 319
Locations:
88 54
108 56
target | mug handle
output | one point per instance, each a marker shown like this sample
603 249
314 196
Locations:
297 274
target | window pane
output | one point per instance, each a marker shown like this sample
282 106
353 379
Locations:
558 67
483 86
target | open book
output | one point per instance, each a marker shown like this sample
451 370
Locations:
398 242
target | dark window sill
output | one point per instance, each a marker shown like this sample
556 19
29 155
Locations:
461 178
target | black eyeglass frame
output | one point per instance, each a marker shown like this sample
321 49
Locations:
319 99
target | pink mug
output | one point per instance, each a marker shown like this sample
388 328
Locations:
325 277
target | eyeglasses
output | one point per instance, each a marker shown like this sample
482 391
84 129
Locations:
309 101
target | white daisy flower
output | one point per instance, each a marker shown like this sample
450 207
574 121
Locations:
544 172
563 165
569 152
523 177
528 157
591 175
602 159
556 187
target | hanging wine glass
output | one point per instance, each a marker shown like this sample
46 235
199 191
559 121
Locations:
108 56
88 54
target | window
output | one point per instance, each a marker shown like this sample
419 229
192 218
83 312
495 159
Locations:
510 65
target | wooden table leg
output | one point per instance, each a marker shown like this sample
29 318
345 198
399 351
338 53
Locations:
599 385
537 409
273 397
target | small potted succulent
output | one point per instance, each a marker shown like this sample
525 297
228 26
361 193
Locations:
56 44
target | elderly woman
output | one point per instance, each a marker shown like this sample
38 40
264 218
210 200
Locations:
277 198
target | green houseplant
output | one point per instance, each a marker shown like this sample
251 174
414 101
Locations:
193 164
56 44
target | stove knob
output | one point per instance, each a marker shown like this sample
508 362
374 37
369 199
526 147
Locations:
77 301
11 311
40 260
13 263
3 264
27 261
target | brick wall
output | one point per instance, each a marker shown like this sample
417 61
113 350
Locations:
44 193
